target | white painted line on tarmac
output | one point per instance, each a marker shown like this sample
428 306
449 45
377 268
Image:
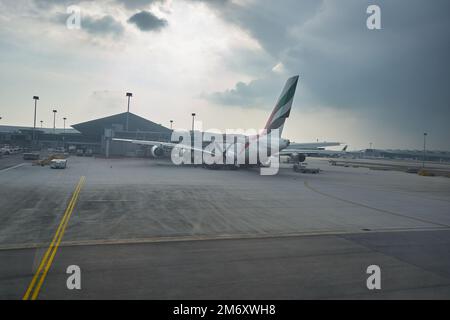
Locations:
13 167
164 239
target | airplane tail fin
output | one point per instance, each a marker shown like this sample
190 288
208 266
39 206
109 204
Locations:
345 148
283 107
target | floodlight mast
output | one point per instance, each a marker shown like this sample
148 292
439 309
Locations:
129 95
35 98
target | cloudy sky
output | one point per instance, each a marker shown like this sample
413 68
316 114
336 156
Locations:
228 61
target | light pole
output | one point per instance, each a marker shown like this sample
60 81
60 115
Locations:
171 122
424 148
64 132
54 120
35 98
129 95
193 117
192 137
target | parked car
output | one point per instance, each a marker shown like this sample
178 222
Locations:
10 150
5 151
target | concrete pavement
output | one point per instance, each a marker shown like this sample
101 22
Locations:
147 229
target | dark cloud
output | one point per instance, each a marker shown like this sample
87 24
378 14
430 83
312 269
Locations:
396 76
255 94
102 26
266 20
137 4
213 2
52 3
105 25
146 21
129 4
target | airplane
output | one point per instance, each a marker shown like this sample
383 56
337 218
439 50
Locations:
242 147
300 154
313 145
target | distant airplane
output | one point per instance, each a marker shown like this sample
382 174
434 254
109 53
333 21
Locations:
313 145
299 154
247 146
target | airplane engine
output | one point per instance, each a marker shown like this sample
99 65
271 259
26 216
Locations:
181 152
180 155
157 151
298 157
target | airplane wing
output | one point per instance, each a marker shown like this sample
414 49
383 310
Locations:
311 152
169 145
147 142
313 145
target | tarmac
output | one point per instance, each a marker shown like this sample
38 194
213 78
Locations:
146 229
434 168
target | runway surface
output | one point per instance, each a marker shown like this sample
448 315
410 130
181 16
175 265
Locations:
146 229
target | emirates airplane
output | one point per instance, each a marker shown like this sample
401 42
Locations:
244 147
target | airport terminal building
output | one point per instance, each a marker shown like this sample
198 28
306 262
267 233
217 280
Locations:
94 135
102 130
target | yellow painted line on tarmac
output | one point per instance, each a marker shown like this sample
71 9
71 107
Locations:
41 273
